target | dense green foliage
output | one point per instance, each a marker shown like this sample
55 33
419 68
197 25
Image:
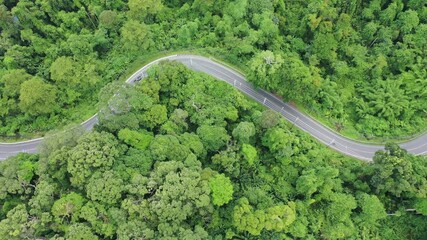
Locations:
192 158
183 156
359 64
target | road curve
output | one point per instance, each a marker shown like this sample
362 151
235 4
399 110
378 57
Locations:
326 136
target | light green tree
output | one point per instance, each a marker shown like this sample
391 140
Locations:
221 189
94 151
244 131
213 137
421 206
372 211
37 97
139 9
268 119
399 174
105 187
16 225
138 140
17 174
67 208
154 117
168 147
264 68
80 231
277 218
109 19
12 81
249 153
135 36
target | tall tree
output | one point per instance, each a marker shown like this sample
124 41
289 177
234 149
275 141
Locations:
221 189
135 36
143 10
264 68
244 131
105 187
213 137
399 174
94 151
37 97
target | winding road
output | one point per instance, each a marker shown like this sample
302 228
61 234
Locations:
325 135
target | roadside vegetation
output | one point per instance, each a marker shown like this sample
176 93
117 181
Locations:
184 156
358 65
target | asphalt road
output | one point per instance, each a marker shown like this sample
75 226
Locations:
323 134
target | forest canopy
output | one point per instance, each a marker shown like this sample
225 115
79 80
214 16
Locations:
358 65
190 171
184 156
